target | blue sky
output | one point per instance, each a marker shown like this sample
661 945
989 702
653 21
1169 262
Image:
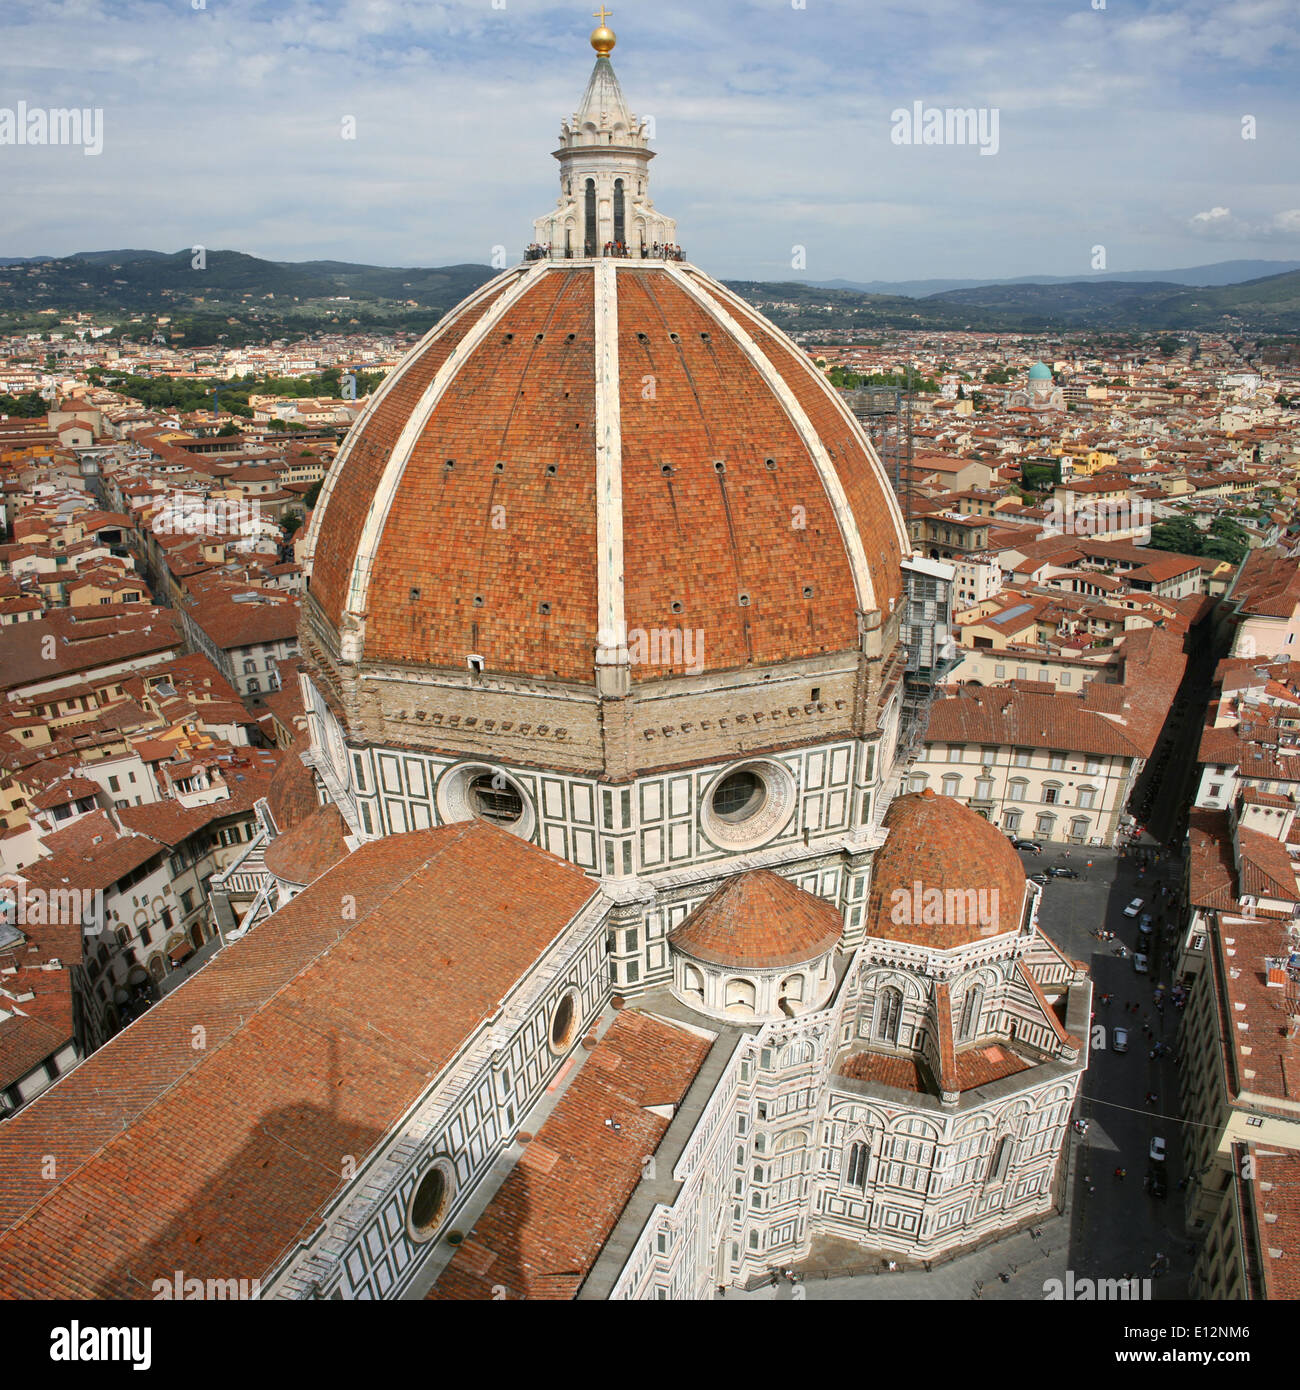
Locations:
1119 127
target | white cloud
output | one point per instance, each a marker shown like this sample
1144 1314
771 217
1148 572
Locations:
1220 224
222 127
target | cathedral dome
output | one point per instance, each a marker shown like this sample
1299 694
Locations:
945 877
588 449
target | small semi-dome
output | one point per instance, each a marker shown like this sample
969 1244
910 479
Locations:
759 921
758 949
1040 372
312 847
945 877
292 797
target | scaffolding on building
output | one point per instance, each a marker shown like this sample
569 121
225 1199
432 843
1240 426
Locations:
932 652
885 414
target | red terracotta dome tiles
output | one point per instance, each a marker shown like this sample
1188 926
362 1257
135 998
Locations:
703 537
936 843
862 485
495 553
759 920
367 452
517 539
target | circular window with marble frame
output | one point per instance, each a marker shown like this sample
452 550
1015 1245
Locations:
483 791
431 1200
748 803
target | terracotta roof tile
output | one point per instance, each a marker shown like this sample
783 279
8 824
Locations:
541 1234
320 1031
942 847
310 848
504 473
759 919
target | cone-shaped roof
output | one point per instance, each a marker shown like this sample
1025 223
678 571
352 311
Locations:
603 103
759 920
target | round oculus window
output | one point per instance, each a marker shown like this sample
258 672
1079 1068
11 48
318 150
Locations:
564 1022
480 791
748 805
739 797
493 797
430 1200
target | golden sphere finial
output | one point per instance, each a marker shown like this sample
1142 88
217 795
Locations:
602 38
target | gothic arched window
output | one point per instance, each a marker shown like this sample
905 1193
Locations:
590 217
889 1014
970 1013
1001 1159
856 1171
619 231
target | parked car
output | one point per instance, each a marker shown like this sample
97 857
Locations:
1157 1183
1061 871
1029 846
1133 908
1140 963
1039 878
1119 1040
1157 1150
1144 923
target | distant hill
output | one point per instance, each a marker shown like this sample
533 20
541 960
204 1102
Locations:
1271 301
103 257
236 298
233 297
1217 273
